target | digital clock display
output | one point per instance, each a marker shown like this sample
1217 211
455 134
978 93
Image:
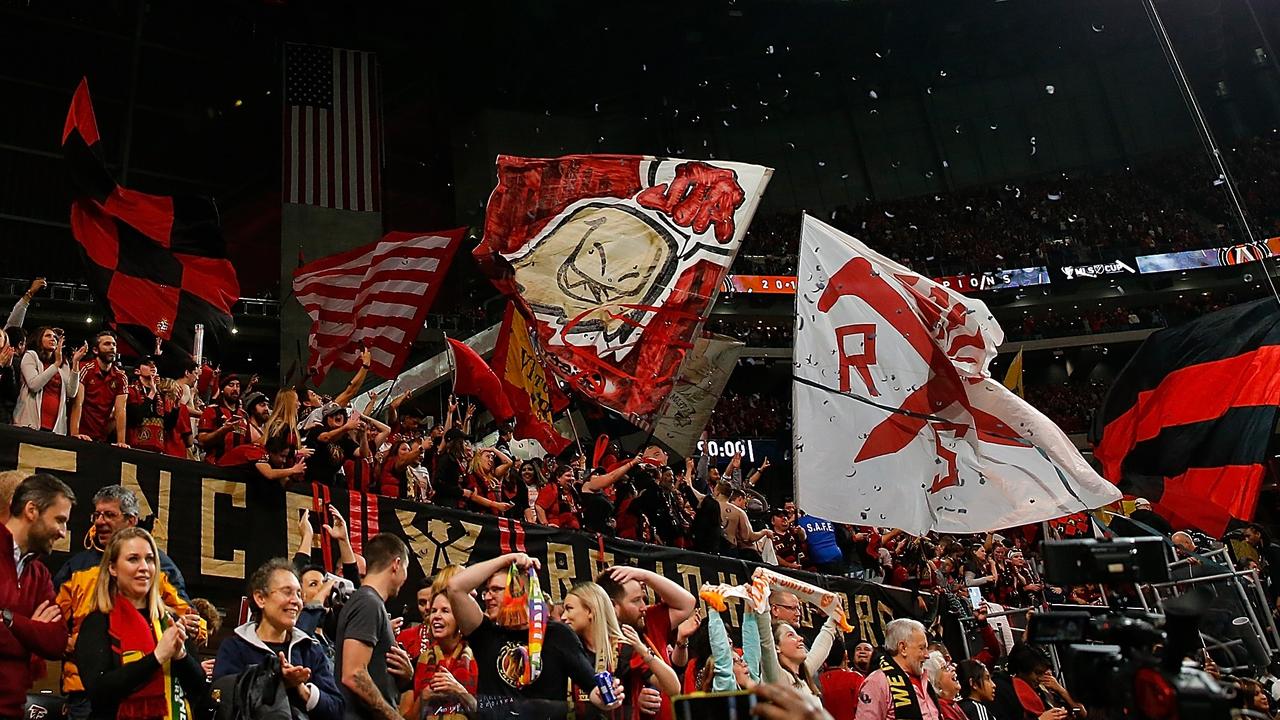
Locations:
753 450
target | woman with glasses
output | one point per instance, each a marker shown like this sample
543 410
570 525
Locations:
308 676
942 676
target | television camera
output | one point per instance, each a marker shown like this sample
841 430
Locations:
1128 662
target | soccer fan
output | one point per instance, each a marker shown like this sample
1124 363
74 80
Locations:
222 424
656 624
942 677
132 651
502 650
276 597
558 499
151 416
257 409
839 683
331 443
737 526
46 383
114 508
446 677
372 667
32 623
906 647
98 414
789 542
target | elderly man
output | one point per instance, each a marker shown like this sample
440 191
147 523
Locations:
898 689
115 508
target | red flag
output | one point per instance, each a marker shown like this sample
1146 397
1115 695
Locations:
528 385
472 376
614 260
375 296
158 262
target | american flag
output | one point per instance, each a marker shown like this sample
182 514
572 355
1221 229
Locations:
332 128
373 296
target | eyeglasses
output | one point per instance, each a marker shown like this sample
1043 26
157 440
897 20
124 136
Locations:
287 592
492 591
105 515
791 608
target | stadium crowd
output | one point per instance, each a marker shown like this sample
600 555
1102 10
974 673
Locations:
1160 206
123 598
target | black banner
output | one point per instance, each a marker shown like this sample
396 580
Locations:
218 524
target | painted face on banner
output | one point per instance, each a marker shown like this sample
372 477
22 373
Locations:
618 258
593 267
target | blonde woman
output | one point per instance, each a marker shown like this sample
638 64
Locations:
283 420
588 611
132 651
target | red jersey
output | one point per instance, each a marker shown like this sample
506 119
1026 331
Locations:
560 506
214 417
178 439
392 483
51 402
840 692
360 474
100 392
659 636
243 455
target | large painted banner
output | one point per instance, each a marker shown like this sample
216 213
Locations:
616 260
218 525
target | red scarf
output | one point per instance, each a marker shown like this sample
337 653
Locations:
134 637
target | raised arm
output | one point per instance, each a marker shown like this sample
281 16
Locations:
353 388
281 475
679 601
465 609
18 315
600 482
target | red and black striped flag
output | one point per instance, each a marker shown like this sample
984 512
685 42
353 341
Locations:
1188 421
158 262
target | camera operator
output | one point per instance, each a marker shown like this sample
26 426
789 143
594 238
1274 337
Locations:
320 596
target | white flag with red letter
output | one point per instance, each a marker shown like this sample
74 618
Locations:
898 422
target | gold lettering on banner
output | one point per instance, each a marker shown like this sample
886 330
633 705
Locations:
210 564
32 458
294 503
441 544
37 457
599 560
560 570
884 614
866 618
690 577
160 529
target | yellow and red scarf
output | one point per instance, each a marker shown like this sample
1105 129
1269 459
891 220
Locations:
134 636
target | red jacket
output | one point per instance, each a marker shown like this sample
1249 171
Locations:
27 638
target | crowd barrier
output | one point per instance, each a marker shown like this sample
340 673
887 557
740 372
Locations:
218 525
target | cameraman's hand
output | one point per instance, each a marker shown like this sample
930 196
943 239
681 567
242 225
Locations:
1054 714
